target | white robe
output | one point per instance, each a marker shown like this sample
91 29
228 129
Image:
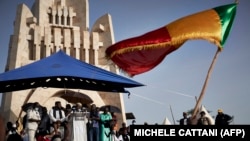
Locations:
79 129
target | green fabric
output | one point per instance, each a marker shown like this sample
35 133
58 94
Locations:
226 14
105 131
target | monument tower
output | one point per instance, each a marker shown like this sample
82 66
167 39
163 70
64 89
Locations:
51 25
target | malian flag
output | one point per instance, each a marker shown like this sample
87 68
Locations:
142 53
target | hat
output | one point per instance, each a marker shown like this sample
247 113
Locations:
220 110
79 104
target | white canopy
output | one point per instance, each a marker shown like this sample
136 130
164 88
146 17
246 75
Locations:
166 121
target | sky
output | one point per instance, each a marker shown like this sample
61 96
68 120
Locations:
173 86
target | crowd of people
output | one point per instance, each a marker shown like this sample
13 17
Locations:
82 123
220 119
70 123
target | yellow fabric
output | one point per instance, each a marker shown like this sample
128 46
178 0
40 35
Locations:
203 25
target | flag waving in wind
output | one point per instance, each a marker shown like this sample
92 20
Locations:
142 53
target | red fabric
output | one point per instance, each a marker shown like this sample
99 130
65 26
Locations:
151 38
137 62
42 138
139 59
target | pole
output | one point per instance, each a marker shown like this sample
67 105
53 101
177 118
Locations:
172 114
198 103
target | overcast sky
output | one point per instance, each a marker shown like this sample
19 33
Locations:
173 84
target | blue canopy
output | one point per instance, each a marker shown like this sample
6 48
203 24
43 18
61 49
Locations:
63 71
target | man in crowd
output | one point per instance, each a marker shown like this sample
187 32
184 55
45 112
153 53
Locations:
222 119
33 120
57 114
185 120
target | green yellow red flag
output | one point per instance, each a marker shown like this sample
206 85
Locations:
142 53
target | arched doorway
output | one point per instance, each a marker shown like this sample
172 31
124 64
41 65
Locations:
74 97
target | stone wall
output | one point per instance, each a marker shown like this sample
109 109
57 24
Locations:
45 29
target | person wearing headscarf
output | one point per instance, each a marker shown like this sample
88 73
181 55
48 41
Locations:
105 119
222 119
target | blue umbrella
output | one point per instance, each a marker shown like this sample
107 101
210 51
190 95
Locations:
63 71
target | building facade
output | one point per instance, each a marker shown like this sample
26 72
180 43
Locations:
44 29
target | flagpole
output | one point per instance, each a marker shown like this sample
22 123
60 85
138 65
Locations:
198 103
